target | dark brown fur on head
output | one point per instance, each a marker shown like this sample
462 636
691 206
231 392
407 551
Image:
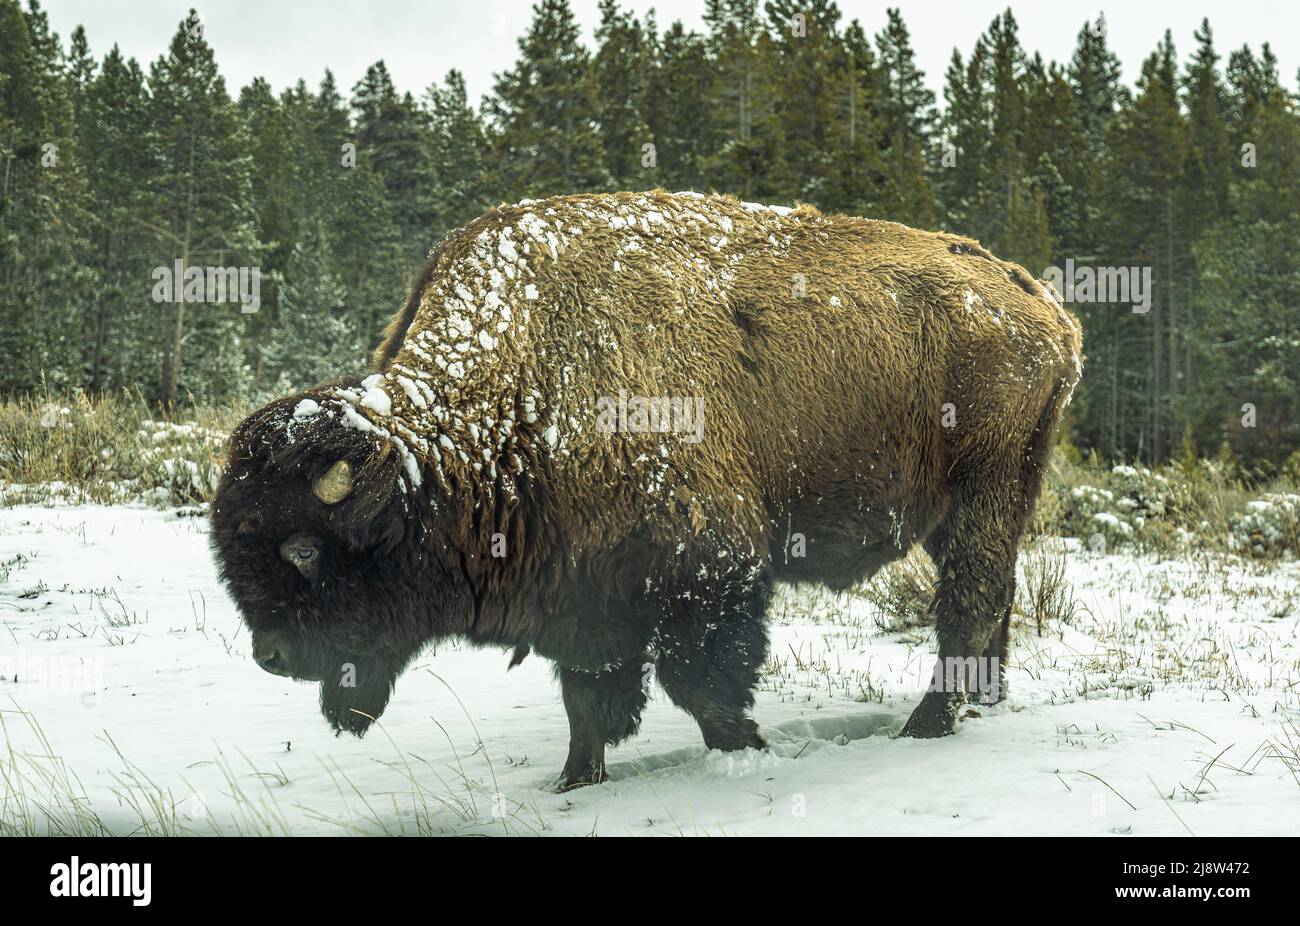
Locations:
372 594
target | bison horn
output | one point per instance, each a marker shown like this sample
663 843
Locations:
335 485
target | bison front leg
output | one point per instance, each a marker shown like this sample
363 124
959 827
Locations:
975 553
710 657
604 708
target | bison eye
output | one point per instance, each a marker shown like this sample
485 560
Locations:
302 552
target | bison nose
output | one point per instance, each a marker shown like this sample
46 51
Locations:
272 654
275 664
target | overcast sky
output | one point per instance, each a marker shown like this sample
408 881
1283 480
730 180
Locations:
420 40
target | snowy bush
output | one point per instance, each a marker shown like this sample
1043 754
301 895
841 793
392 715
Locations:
1169 510
1270 526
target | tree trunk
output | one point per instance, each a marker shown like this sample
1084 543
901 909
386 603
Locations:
172 387
1173 317
1153 377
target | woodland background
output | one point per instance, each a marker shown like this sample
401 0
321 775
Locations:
1044 162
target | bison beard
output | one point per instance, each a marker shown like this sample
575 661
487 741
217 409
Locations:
357 697
905 389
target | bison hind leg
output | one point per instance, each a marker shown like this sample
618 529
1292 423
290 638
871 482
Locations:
709 661
995 654
974 549
975 555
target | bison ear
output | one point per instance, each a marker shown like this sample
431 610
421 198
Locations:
335 484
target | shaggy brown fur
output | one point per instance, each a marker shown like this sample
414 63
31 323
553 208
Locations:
864 386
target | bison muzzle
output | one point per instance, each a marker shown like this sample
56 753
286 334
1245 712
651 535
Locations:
603 426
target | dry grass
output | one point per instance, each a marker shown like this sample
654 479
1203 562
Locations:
1044 590
109 449
903 592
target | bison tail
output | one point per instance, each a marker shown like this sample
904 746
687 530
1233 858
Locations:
1039 448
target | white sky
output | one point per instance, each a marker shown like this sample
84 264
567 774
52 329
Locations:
420 40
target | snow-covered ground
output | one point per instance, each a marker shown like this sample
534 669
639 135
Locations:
1169 704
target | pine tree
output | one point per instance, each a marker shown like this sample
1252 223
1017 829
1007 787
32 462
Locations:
1246 343
1016 212
1148 145
750 159
1094 75
990 191
806 62
1207 115
621 71
80 72
126 327
460 149
678 110
280 192
856 168
965 170
373 257
328 131
1253 84
545 112
908 117
1058 160
44 272
24 129
393 139
204 201
316 337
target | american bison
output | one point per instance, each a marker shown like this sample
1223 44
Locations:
604 425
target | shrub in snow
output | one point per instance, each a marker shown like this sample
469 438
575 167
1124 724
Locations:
1270 526
1087 510
1140 492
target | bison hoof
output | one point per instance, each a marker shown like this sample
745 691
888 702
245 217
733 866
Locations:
569 780
935 716
742 735
926 728
990 698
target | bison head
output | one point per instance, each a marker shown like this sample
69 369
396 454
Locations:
324 542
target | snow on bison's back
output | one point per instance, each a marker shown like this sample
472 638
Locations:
603 425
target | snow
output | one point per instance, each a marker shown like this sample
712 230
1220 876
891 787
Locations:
1106 519
760 207
417 398
133 663
378 401
506 248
